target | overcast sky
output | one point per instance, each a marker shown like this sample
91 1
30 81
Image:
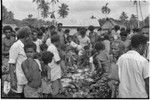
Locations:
79 9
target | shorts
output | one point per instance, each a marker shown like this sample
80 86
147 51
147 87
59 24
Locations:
19 88
56 87
30 92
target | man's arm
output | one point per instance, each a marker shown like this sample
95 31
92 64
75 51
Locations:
146 75
147 85
3 46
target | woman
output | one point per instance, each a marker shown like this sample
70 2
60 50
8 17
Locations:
118 49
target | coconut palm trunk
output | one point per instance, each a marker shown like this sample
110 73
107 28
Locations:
137 12
140 10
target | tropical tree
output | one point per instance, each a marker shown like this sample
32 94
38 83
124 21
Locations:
133 21
146 20
105 10
63 10
7 15
123 17
44 7
30 16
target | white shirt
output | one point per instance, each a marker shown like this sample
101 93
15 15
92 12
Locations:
48 42
107 45
55 68
132 70
17 56
38 42
83 41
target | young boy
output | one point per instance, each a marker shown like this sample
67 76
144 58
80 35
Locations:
37 41
56 73
46 75
32 70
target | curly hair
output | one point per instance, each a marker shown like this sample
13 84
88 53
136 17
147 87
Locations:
99 46
138 39
7 28
30 45
91 28
83 31
47 57
43 47
24 32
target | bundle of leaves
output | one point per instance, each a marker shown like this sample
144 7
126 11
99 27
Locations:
83 60
101 88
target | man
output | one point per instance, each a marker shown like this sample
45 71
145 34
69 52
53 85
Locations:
35 39
92 35
133 70
125 40
61 34
16 57
7 42
49 34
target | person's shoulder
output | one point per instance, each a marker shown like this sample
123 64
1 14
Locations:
25 62
51 47
16 44
123 56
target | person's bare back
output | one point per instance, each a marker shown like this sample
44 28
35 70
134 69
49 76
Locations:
32 72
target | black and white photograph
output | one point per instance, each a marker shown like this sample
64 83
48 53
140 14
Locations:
68 49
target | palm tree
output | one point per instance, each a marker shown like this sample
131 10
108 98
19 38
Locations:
30 16
105 10
46 10
140 10
63 10
133 21
135 2
123 16
44 7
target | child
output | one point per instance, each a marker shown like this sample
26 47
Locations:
32 70
55 67
92 35
46 59
83 39
37 41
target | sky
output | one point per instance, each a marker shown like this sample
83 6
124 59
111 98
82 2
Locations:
79 9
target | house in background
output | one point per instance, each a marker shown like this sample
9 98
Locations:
73 24
110 23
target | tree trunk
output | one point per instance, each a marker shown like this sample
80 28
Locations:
137 13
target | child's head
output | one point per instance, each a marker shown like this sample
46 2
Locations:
67 31
30 49
34 35
83 31
69 38
47 57
43 47
40 34
91 28
99 46
123 35
55 40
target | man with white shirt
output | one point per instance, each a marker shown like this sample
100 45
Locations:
133 70
16 57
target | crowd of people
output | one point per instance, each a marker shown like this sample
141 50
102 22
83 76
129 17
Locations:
34 60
